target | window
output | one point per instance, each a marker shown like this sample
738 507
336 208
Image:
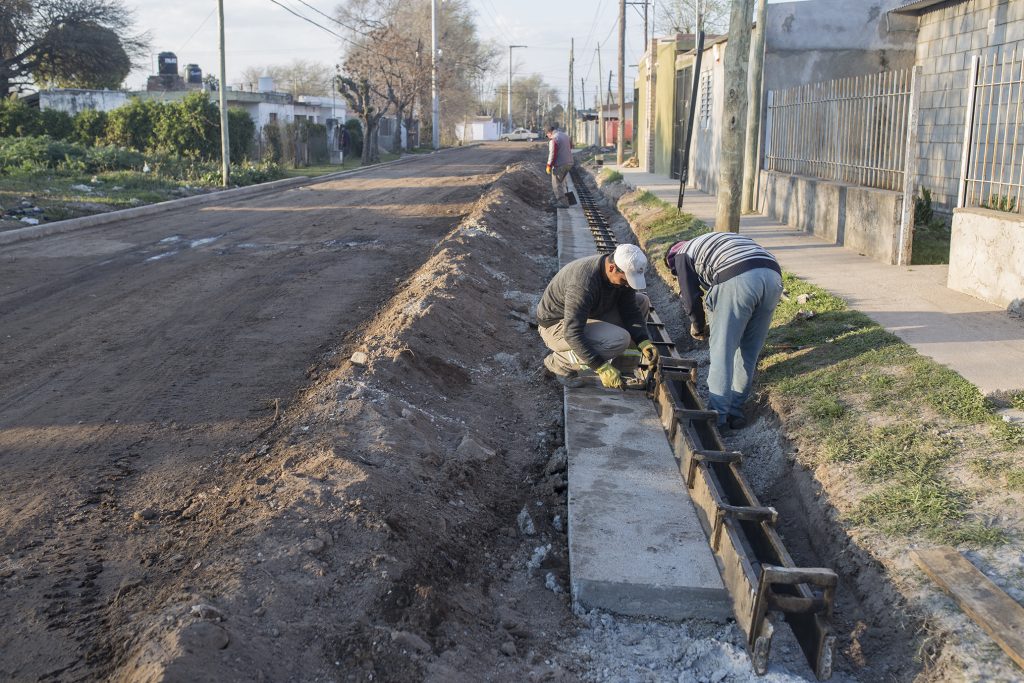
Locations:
706 83
273 117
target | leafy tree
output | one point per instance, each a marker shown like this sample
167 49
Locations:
85 43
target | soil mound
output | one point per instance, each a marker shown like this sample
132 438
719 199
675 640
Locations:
374 527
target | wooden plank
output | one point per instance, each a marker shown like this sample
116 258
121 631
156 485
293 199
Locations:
992 609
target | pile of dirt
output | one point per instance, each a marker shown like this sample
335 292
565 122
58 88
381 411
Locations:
405 519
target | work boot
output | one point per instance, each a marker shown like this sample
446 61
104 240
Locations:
569 379
737 422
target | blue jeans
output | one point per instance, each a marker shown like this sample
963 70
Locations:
741 311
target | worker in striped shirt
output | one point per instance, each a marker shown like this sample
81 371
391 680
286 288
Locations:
740 284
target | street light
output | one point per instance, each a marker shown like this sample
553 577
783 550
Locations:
510 84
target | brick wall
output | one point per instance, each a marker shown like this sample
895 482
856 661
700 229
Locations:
950 33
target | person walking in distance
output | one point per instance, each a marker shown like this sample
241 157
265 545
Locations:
740 283
559 164
590 314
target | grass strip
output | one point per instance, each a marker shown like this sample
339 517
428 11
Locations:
859 400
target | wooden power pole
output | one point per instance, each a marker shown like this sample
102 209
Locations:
620 152
750 156
225 143
571 114
600 103
734 117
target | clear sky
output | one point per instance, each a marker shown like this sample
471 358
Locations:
259 32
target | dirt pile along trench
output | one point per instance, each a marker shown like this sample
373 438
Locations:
164 517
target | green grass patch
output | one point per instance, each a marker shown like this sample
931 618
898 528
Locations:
659 225
609 176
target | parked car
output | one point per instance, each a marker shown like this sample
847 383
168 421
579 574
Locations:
520 134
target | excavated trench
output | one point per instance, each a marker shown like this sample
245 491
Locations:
877 638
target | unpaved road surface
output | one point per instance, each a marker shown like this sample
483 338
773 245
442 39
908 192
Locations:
156 437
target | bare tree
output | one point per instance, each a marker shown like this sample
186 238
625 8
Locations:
388 41
679 16
88 43
298 77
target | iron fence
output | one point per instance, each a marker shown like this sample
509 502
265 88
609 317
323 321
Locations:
993 165
850 130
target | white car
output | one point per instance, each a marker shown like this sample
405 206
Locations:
520 134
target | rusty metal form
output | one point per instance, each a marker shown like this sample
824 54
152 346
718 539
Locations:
757 569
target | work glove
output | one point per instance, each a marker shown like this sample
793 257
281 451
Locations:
610 376
649 350
547 169
698 333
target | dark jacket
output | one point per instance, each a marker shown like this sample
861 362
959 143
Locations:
580 291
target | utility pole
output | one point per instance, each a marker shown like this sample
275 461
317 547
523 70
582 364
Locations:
750 158
509 83
435 115
600 108
730 177
571 115
620 153
225 146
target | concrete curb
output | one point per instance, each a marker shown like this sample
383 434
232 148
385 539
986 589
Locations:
60 227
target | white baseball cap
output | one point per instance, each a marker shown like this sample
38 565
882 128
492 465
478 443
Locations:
630 260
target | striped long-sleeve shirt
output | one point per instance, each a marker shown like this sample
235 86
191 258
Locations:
713 258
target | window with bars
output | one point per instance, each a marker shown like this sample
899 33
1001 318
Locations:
706 84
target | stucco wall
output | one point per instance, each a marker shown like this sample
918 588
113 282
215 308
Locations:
859 218
706 146
75 101
816 41
986 256
664 103
949 35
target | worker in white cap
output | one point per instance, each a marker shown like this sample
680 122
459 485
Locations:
592 311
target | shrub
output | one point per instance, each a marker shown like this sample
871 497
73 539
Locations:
242 130
89 127
355 138
132 125
57 124
17 119
273 150
189 128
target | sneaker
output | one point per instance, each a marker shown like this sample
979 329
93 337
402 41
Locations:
569 379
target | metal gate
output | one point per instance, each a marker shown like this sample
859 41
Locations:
680 114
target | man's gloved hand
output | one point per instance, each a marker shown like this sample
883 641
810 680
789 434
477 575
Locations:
698 333
547 169
649 350
610 376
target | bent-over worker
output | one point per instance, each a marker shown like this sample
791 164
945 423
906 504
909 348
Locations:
591 312
741 283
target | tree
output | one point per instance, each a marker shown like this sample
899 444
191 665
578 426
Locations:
299 77
87 43
389 44
368 106
680 16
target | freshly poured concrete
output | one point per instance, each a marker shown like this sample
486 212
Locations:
636 546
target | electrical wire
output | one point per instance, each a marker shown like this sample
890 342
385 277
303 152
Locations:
201 25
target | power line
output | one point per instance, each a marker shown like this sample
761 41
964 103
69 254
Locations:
336 21
201 25
319 26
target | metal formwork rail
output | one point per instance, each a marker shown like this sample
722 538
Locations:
756 567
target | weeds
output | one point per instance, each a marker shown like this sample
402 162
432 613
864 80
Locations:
609 176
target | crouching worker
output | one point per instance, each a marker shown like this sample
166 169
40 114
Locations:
741 284
590 314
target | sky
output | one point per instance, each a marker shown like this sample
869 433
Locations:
260 32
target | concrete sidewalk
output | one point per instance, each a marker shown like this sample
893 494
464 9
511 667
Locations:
976 339
636 545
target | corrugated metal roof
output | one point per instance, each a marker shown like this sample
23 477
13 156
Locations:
915 6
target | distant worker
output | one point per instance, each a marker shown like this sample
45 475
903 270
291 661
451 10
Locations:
559 164
591 312
741 284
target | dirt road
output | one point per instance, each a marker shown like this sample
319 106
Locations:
159 382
